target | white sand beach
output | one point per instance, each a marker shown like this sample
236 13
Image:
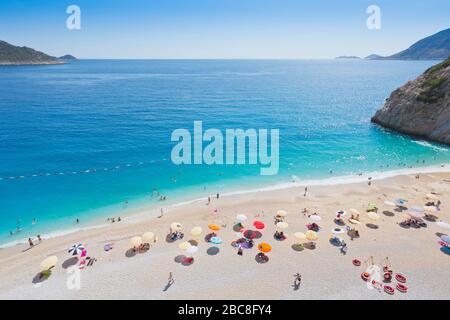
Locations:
326 272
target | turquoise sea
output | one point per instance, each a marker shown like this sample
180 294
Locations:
80 139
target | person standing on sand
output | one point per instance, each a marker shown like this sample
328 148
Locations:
209 199
306 190
297 281
170 281
30 242
217 196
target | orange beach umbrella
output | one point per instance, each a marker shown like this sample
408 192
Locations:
264 247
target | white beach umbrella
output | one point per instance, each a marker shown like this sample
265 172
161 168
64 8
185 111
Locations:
241 217
148 237
136 241
416 214
76 249
192 249
417 209
443 224
49 262
300 235
354 211
315 218
281 213
373 216
337 230
390 203
282 225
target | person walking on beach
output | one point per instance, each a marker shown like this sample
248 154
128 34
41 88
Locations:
343 248
297 281
170 281
209 199
217 196
30 242
306 190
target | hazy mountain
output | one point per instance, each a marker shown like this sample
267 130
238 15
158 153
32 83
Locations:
13 55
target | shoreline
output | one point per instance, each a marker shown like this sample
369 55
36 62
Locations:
141 212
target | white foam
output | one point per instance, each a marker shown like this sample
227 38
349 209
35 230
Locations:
429 145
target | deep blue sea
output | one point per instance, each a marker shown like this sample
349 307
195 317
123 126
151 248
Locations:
80 139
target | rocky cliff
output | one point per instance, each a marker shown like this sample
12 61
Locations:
421 107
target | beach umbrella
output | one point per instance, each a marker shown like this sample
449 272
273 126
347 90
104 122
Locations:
337 230
446 239
399 202
430 208
311 235
215 240
49 262
416 209
354 221
341 213
389 203
259 225
148 237
315 218
281 213
192 249
371 207
282 225
214 227
354 211
373 216
136 241
443 224
264 247
415 214
184 245
76 249
241 217
300 235
249 234
432 196
175 226
196 231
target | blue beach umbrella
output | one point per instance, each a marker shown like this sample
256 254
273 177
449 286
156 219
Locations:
215 240
400 202
446 239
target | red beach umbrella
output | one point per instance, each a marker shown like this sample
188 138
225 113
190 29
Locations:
259 225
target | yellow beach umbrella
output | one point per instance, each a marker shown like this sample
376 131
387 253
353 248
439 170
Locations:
136 241
148 237
311 235
49 262
184 245
373 216
281 213
282 225
175 226
196 231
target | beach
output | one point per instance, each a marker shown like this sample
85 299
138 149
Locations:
326 272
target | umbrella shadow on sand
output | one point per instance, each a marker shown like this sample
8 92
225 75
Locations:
70 262
40 277
388 213
310 246
169 239
297 247
130 253
260 259
193 242
212 251
339 222
400 209
237 227
371 226
335 242
440 234
430 218
179 259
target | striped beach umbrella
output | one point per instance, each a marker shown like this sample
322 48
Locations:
76 249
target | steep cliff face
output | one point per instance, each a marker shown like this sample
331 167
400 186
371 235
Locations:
421 107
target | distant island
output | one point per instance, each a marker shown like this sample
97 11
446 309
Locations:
434 47
14 55
421 107
347 57
67 57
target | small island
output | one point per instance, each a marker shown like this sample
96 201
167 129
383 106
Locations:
11 55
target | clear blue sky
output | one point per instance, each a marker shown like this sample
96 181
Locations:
220 28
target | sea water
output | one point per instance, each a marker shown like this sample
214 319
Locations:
91 139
